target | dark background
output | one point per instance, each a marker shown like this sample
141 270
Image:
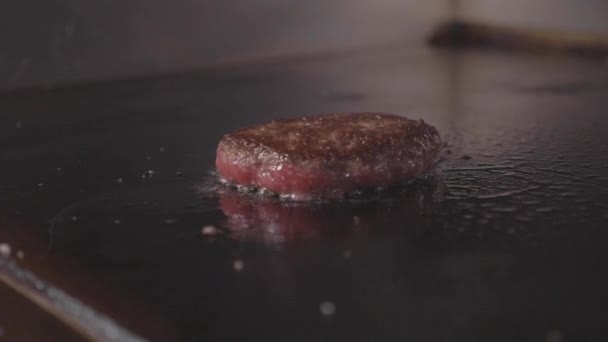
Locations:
59 41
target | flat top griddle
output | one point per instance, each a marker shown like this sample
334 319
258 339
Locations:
106 187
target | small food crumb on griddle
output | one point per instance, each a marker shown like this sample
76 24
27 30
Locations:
209 230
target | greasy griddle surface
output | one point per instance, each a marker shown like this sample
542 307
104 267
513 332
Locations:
106 189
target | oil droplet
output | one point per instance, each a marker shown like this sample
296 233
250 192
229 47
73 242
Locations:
327 308
5 249
272 228
20 255
170 221
117 221
347 254
74 218
161 149
238 265
119 180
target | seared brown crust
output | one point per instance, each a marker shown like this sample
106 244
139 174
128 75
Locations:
331 138
330 152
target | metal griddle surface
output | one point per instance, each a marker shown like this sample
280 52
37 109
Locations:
505 242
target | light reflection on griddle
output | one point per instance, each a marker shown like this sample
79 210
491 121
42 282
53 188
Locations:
252 217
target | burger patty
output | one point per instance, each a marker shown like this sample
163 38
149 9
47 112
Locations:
328 155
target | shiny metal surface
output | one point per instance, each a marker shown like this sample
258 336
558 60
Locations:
73 319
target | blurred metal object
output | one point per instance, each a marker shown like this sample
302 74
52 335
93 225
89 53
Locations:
471 34
79 319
